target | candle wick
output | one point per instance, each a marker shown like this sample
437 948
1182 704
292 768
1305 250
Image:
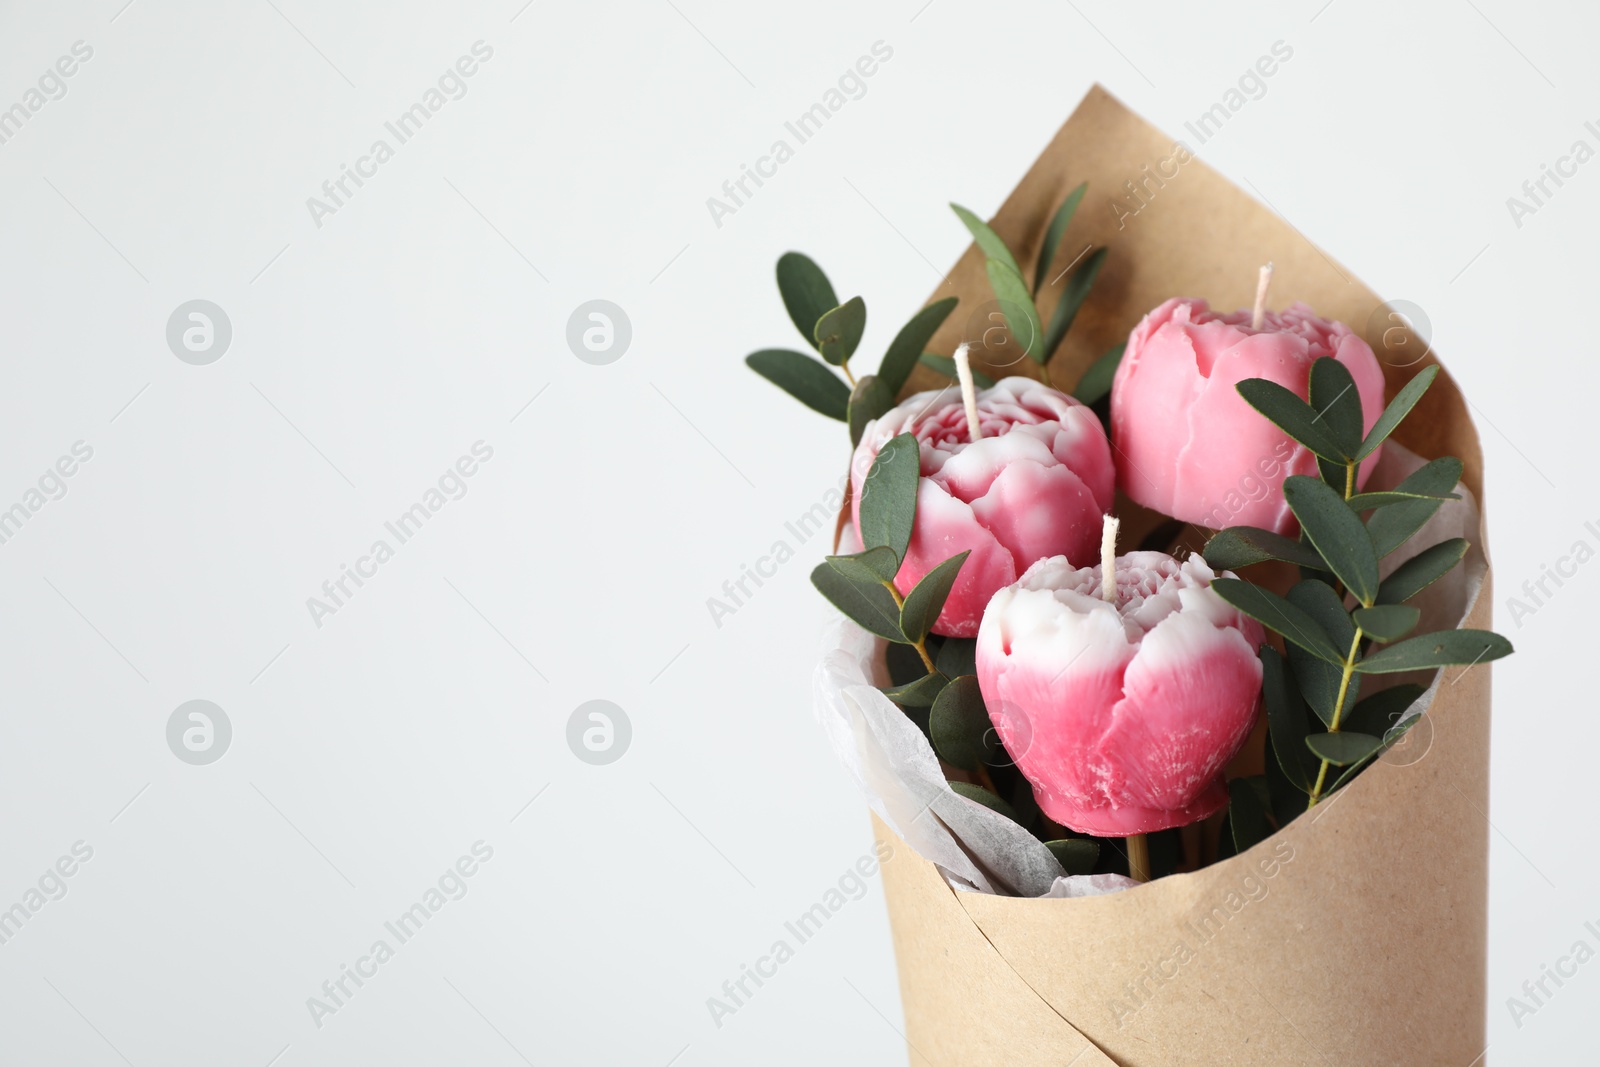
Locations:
1263 283
969 393
1108 560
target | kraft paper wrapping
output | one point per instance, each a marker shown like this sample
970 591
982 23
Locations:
1355 935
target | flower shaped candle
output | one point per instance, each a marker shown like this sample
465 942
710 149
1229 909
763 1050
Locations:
1121 712
1189 445
1035 484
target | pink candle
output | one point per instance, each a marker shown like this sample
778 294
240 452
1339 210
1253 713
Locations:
1188 445
1034 485
1120 713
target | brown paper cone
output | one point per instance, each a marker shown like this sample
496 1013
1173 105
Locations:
1354 936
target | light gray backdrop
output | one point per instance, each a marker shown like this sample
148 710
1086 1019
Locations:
375 341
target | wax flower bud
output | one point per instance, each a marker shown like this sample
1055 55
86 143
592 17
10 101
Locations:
1034 485
1189 446
1122 715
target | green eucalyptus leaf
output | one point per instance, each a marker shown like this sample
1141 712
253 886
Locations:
1096 382
1337 402
1388 622
1288 799
905 665
1392 526
1381 712
921 693
1383 498
1238 547
1337 533
807 293
875 565
901 358
1016 304
1072 298
1445 648
1389 740
1398 409
1318 599
982 796
1421 571
839 331
889 495
960 726
1343 748
869 606
958 655
1052 236
870 399
1248 800
1292 415
804 378
993 247
1287 721
1279 615
1075 854
1319 680
1335 476
923 604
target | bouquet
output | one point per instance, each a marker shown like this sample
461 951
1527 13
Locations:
1167 692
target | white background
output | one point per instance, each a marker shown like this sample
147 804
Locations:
368 354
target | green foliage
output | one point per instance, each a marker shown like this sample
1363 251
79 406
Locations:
1248 803
1075 854
1018 302
1337 533
1095 385
908 345
1421 571
835 331
923 604
959 726
870 399
889 495
1333 644
806 292
1293 416
993 245
1072 297
1238 547
869 606
804 378
1053 235
839 331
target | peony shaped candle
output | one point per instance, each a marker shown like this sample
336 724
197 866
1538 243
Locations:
1035 484
1121 713
1188 445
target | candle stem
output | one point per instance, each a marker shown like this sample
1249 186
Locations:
1263 283
969 392
1138 858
